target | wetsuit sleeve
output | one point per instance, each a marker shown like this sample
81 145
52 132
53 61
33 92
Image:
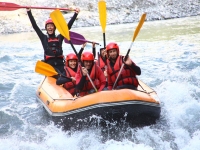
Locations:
102 79
80 52
135 68
63 80
94 51
80 79
70 23
35 27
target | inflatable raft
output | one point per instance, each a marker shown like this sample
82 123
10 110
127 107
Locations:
139 106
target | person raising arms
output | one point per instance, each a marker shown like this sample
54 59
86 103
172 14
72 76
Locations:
52 43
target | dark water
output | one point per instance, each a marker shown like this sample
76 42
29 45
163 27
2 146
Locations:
168 53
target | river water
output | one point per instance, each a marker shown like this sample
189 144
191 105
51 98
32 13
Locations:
168 53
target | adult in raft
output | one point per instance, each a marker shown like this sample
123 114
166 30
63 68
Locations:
127 78
83 84
52 43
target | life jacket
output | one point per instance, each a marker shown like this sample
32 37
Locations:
53 49
127 76
101 63
70 86
88 85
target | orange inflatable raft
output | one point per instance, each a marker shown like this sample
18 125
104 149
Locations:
139 106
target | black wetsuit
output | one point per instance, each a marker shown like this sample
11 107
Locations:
63 80
56 62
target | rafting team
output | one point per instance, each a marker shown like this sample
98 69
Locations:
88 75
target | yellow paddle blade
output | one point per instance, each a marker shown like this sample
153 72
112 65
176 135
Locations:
45 69
137 30
60 23
102 14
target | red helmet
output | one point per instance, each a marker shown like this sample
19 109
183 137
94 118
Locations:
71 56
112 45
87 56
48 21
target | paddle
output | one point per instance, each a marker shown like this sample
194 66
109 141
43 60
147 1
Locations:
62 27
46 69
102 18
137 30
6 6
77 39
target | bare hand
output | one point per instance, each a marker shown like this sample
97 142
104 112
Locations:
83 46
128 61
104 52
84 71
93 44
105 73
77 10
73 79
28 9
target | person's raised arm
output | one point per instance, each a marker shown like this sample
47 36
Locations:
70 23
133 66
34 24
81 50
94 49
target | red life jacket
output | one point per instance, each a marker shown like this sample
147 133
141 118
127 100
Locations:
88 85
101 63
70 86
53 49
127 75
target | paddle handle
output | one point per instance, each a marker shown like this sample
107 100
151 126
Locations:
125 58
68 9
104 39
92 82
34 7
74 49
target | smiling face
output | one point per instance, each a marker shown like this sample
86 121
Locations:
50 28
103 53
72 63
112 54
88 64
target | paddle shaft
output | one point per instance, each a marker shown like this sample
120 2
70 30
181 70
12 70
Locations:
104 40
13 6
92 82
